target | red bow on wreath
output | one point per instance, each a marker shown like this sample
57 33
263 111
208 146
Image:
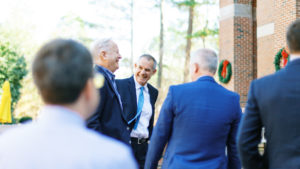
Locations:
285 56
224 70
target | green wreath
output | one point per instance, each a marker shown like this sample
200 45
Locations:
224 72
278 57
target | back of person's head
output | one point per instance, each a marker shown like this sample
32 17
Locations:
293 37
61 70
207 60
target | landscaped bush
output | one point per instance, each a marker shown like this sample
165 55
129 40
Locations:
13 69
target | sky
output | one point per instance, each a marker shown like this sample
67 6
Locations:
44 16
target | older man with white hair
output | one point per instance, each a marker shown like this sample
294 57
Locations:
198 122
109 118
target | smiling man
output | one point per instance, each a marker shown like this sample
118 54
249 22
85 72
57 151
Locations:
109 118
138 100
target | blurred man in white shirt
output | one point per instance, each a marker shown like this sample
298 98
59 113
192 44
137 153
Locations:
63 74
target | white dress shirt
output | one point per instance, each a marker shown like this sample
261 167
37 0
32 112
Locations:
142 129
60 140
294 57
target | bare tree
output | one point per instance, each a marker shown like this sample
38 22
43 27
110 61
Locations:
161 45
131 35
190 4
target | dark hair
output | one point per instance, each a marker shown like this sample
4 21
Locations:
61 69
293 36
149 57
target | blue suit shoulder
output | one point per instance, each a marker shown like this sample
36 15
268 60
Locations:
153 89
188 86
267 82
123 81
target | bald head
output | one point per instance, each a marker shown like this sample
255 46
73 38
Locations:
204 62
106 53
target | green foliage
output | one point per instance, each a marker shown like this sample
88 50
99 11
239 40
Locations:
192 3
205 32
13 69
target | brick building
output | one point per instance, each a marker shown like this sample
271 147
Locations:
251 33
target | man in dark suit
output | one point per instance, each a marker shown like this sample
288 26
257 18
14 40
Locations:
138 100
273 103
198 121
109 118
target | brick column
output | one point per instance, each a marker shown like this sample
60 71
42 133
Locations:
238 44
273 18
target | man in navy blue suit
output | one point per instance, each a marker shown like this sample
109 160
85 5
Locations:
198 122
274 103
138 100
109 118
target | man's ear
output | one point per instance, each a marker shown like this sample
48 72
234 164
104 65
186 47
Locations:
88 89
103 55
154 71
287 49
196 68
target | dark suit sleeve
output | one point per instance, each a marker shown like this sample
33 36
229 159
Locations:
94 122
233 159
161 133
150 127
250 133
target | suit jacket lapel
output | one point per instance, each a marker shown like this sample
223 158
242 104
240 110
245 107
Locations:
100 70
151 93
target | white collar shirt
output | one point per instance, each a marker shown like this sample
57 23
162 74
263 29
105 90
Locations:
60 140
142 128
294 57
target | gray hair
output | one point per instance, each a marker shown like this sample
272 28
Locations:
207 60
100 45
149 57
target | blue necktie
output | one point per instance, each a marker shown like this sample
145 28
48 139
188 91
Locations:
139 108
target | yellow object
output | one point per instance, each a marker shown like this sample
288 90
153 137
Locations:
98 80
5 105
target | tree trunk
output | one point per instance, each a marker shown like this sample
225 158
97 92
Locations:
161 45
203 41
131 37
188 44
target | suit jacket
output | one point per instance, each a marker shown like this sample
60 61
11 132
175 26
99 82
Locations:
273 102
127 91
109 118
198 120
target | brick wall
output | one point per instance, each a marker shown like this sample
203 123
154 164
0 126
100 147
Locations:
254 39
280 13
250 43
265 42
226 45
238 44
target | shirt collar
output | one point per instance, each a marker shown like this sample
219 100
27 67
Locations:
138 86
204 78
294 57
108 72
55 114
